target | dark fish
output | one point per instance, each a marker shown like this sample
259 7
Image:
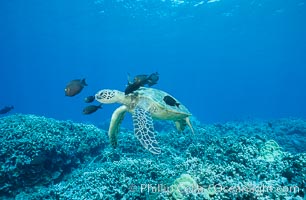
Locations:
89 99
6 109
91 109
140 81
131 88
74 87
170 101
152 79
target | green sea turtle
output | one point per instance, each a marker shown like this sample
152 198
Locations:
145 104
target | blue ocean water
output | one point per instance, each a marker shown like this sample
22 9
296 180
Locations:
228 61
224 60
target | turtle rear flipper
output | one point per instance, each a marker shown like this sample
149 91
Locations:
114 126
144 130
181 124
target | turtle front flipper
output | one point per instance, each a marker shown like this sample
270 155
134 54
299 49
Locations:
144 130
114 126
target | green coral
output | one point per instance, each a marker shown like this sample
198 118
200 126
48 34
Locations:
270 151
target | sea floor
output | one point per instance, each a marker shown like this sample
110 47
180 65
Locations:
43 158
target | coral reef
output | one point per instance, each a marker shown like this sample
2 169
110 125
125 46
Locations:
235 160
38 150
183 187
271 151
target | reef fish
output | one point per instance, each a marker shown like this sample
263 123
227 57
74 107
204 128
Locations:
74 87
6 109
138 81
91 109
89 99
152 79
170 101
131 88
141 80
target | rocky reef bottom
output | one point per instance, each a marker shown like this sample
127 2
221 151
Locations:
43 158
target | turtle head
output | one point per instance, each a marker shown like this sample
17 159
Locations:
109 96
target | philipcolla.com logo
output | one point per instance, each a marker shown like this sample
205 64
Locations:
217 188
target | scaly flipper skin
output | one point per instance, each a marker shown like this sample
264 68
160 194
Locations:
144 130
114 126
